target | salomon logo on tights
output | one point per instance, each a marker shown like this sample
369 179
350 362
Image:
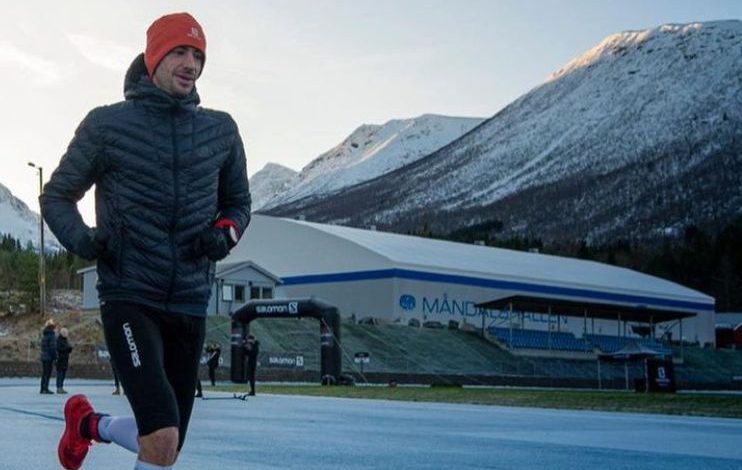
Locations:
135 361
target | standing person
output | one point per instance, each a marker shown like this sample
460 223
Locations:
116 382
252 349
48 354
172 198
215 352
63 358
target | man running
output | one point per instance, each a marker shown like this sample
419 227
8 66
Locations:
172 198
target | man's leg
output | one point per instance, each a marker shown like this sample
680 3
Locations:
212 375
159 447
183 341
46 370
251 377
134 335
61 374
116 385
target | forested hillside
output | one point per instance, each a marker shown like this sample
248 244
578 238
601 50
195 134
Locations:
19 274
709 263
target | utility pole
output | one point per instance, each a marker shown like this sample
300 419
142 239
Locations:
42 253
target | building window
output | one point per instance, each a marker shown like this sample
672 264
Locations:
258 292
239 293
254 292
267 292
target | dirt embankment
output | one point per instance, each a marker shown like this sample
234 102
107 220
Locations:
20 334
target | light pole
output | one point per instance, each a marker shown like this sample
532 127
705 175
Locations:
42 255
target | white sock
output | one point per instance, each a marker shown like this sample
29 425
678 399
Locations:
149 466
121 430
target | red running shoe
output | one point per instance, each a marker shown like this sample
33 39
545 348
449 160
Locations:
73 447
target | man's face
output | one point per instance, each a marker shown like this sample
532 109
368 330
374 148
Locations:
177 72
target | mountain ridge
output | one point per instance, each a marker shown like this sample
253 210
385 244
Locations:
641 110
369 151
21 223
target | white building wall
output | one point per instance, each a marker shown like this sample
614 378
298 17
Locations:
400 300
371 298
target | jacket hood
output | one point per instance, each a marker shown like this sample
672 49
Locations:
137 85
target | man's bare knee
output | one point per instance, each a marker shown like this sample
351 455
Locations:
159 447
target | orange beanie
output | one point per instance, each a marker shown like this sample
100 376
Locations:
169 32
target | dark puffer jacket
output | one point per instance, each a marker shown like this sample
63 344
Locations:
164 170
48 344
63 352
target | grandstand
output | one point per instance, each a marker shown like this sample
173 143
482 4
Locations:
518 338
610 344
536 339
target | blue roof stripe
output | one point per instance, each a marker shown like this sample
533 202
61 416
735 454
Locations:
636 300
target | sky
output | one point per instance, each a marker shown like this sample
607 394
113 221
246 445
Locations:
299 76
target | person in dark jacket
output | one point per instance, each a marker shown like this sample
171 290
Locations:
215 352
252 349
172 198
63 358
48 354
116 381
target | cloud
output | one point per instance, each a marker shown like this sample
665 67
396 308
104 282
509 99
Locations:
107 54
42 71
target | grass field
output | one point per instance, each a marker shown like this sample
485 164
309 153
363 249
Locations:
688 404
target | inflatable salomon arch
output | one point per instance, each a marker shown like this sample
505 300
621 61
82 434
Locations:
329 328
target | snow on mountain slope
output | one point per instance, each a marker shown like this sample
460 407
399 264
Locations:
18 221
632 92
270 181
639 133
373 150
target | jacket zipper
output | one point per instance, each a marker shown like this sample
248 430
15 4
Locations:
176 205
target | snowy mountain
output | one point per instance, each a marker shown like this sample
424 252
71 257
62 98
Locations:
269 182
20 222
639 136
370 151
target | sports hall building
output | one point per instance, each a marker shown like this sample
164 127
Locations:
405 279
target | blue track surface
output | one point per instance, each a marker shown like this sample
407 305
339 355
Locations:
291 432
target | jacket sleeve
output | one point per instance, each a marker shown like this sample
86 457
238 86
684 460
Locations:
234 189
70 181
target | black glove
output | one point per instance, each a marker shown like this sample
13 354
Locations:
212 243
92 245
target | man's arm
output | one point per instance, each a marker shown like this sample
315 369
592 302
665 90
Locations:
73 177
233 206
234 189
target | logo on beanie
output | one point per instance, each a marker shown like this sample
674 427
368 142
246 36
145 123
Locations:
194 33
